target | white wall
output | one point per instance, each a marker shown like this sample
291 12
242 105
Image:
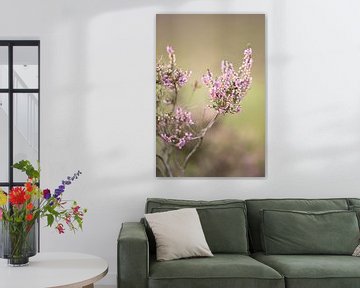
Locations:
97 105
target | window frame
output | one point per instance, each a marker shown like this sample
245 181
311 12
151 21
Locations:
10 91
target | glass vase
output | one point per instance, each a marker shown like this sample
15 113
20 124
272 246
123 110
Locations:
18 242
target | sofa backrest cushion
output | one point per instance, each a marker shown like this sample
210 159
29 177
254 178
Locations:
353 202
298 232
223 221
354 205
256 205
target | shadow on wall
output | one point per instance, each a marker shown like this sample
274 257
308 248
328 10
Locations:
78 16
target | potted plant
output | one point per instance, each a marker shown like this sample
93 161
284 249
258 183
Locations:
21 208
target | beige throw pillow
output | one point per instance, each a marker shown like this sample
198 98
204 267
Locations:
357 251
178 234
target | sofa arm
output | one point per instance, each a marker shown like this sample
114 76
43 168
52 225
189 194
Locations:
133 256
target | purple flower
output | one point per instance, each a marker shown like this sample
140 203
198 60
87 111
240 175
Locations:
57 193
46 194
227 90
69 179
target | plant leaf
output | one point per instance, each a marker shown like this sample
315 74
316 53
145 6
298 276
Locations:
50 219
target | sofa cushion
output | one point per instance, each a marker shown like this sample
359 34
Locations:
353 201
254 207
178 234
297 232
356 209
223 221
222 270
354 205
313 271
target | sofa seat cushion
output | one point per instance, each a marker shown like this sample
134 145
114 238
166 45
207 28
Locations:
222 270
313 271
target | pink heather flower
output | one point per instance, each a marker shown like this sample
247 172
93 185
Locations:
169 75
1 214
175 129
208 78
170 50
227 90
183 116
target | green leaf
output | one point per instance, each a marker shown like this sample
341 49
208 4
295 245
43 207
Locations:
22 164
79 221
28 168
50 219
53 211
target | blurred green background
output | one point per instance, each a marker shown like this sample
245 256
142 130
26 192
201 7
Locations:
235 146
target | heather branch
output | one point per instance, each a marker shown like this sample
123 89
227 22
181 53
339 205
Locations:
210 124
175 99
198 144
186 161
175 126
166 165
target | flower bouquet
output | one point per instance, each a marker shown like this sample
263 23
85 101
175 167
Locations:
21 208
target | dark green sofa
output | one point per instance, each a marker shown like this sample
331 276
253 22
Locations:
232 230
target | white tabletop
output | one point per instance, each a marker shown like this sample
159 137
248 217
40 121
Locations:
54 270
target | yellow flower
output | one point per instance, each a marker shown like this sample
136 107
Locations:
3 198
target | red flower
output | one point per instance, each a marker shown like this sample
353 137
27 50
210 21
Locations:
27 196
75 209
29 187
29 217
17 196
68 219
60 228
29 206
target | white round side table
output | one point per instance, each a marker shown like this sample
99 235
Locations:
50 270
